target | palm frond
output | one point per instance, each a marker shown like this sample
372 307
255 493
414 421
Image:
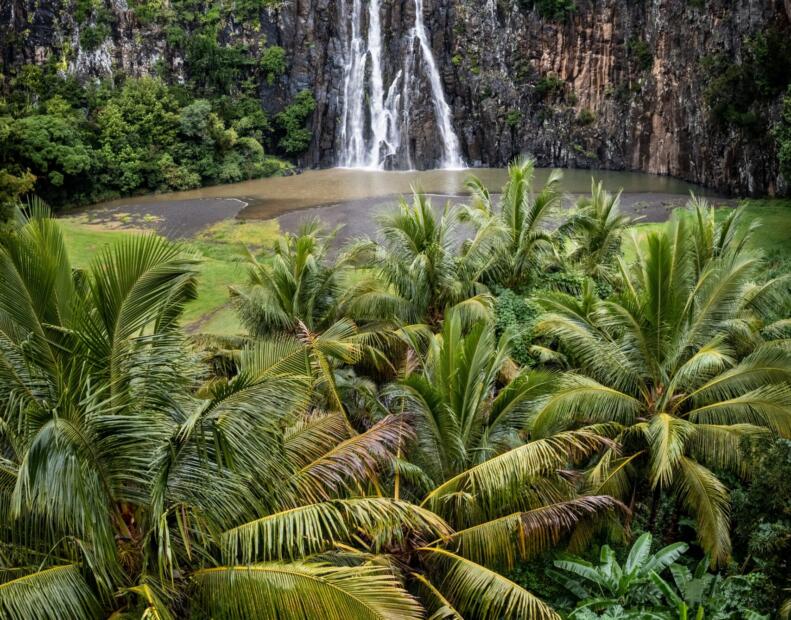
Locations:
300 590
56 593
313 436
521 536
707 500
478 592
488 482
667 438
357 460
307 530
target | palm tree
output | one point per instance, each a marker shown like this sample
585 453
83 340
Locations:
522 222
298 283
467 408
130 485
596 230
676 361
118 479
420 268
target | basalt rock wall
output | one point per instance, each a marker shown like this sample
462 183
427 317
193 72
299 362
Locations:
615 84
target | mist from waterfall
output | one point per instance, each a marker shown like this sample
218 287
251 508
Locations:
372 119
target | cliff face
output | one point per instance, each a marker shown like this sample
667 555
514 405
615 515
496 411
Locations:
615 84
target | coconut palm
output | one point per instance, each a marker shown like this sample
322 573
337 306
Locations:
469 400
678 363
420 267
298 282
714 237
596 230
522 222
132 486
118 478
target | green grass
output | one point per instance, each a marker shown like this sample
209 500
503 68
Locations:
221 248
774 235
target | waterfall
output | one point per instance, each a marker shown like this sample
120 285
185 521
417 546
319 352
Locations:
450 143
372 119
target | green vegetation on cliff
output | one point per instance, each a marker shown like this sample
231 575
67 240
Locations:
85 144
200 120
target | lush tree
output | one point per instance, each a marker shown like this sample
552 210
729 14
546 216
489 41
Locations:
85 143
12 188
520 222
680 364
595 231
419 269
296 283
295 136
51 144
762 515
470 402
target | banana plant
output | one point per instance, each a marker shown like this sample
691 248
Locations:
637 590
609 583
694 594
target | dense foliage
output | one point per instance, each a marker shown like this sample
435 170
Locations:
85 144
200 120
416 425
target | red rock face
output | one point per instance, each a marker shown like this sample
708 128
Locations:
615 84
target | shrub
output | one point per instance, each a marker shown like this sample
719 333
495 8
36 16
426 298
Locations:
640 54
556 10
549 85
291 121
273 63
513 118
519 314
92 37
585 117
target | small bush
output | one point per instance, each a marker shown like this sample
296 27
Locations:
273 63
549 85
585 117
513 118
519 314
555 10
640 54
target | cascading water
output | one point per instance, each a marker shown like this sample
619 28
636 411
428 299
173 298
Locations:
373 120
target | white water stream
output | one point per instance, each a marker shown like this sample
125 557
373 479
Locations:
373 120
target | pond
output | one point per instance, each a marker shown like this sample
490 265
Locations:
342 195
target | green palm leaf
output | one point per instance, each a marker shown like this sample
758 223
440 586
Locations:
301 591
478 592
707 498
497 479
521 536
56 593
307 530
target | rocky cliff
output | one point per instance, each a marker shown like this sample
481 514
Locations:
621 84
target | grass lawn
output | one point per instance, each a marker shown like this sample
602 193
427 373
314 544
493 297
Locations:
222 248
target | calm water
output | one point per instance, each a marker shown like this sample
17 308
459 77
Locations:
268 198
